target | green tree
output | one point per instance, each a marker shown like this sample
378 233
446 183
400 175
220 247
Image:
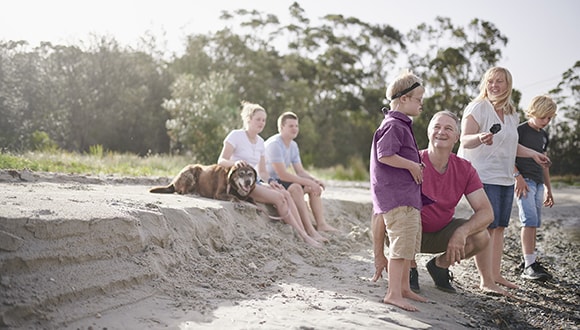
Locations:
107 96
202 111
12 99
565 128
451 60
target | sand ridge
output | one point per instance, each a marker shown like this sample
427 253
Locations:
102 252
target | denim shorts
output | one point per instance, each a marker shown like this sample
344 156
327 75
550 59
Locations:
502 200
530 207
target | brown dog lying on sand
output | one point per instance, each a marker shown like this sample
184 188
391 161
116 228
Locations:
213 181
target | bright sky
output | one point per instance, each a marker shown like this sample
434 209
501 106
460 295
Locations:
544 36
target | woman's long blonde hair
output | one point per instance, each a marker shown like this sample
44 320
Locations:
503 101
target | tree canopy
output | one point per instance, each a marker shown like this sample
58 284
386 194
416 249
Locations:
333 74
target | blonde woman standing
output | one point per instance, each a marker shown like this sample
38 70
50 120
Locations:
489 139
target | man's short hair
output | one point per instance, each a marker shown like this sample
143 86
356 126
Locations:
283 117
448 114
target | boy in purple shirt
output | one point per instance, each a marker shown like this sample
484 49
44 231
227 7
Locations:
396 176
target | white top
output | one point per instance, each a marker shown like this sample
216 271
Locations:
494 163
244 149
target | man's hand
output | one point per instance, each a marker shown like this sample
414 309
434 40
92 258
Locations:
320 183
381 263
456 247
313 188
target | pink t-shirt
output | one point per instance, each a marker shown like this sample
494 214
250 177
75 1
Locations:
446 190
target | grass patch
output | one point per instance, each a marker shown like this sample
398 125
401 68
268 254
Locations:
95 163
100 162
565 180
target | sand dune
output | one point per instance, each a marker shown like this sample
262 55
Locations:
80 252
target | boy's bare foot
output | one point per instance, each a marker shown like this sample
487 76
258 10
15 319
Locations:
501 280
412 295
400 302
493 288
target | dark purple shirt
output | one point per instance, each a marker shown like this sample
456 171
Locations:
392 187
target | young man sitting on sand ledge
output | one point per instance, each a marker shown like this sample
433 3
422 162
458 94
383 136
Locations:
446 179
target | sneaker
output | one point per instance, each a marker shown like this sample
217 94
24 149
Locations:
536 272
414 280
441 277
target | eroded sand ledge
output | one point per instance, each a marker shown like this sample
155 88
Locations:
71 250
79 252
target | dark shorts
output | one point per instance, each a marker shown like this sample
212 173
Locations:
285 184
437 242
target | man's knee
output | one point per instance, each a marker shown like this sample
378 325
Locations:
477 242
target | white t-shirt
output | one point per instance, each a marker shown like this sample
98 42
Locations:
494 163
244 149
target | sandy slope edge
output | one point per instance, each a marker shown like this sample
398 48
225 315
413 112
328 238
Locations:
79 252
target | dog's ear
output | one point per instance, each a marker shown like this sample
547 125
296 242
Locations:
255 174
232 170
196 171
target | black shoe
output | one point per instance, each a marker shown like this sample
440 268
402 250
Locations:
441 277
414 280
536 272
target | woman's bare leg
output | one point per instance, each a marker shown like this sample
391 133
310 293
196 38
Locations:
496 256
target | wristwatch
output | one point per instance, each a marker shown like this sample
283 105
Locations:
516 174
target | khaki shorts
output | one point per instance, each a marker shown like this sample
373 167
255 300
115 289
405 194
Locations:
403 225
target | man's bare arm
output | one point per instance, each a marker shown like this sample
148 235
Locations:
481 218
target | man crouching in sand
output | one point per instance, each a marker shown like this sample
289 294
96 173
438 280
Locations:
447 178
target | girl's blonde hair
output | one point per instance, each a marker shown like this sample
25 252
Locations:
541 106
248 111
503 101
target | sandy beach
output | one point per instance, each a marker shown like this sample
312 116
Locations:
101 252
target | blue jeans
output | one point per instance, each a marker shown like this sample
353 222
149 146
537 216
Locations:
530 207
502 200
